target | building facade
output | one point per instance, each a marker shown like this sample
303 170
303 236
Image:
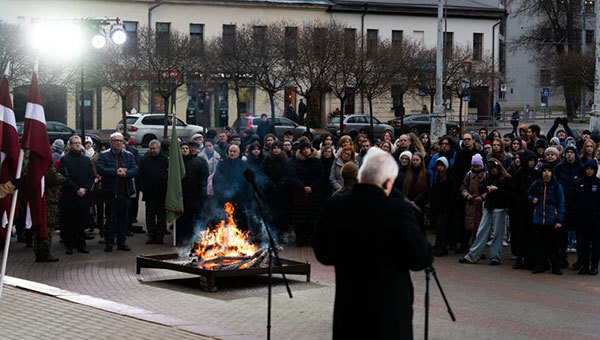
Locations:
467 22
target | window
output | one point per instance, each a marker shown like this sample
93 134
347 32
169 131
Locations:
545 77
197 37
130 28
133 99
397 39
362 120
259 36
352 120
162 37
477 46
589 6
319 39
229 35
448 44
153 120
372 41
291 41
349 42
419 35
283 122
589 37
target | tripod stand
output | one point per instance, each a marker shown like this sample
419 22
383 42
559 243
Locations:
431 270
272 253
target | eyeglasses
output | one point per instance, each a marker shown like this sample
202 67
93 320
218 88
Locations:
466 139
117 140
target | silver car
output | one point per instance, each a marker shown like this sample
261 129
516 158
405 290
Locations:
356 123
145 127
282 125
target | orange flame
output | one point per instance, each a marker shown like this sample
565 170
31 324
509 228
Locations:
225 240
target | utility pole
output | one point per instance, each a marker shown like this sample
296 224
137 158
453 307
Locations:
595 114
438 116
150 93
583 50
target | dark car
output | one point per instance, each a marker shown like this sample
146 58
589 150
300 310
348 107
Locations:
58 130
418 124
282 125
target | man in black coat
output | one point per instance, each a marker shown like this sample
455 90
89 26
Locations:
194 193
153 175
380 307
75 201
301 112
264 127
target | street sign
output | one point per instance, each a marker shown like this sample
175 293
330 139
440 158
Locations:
546 92
502 87
421 93
466 98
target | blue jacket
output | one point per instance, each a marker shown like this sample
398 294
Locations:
567 174
107 168
550 208
431 168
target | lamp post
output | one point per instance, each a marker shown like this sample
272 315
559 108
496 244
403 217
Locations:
595 114
438 116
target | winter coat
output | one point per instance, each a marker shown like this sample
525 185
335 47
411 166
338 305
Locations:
584 202
500 198
550 208
212 162
462 163
335 174
107 168
418 195
194 183
263 128
522 181
473 209
450 156
77 170
229 183
567 174
399 182
153 177
444 194
383 308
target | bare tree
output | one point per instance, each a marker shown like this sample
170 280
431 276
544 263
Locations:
378 74
266 60
230 55
13 50
405 63
121 70
312 63
169 58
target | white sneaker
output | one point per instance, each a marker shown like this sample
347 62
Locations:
504 244
489 243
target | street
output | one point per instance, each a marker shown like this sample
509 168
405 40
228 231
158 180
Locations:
490 302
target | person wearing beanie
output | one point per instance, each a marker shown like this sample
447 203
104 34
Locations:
567 173
551 155
447 150
554 141
350 177
561 133
547 196
403 164
583 205
57 149
521 212
497 187
444 194
469 190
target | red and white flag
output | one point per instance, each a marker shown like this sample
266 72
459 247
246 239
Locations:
35 139
9 148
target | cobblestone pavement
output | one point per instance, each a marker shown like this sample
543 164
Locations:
30 315
490 302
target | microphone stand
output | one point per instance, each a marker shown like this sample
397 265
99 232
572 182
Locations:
272 253
431 270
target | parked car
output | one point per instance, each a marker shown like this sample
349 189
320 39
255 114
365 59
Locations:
282 125
418 124
58 130
356 123
145 127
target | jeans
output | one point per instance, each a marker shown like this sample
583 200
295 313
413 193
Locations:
117 210
497 219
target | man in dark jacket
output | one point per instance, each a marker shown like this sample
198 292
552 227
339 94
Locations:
301 112
194 193
567 173
153 175
583 204
117 168
264 127
75 201
381 307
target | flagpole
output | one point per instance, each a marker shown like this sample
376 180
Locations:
174 222
11 219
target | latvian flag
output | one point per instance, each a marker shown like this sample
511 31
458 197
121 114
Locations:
9 149
35 139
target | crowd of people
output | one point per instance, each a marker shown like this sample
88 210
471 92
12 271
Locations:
538 193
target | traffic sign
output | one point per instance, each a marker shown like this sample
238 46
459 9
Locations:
466 98
421 93
502 87
546 92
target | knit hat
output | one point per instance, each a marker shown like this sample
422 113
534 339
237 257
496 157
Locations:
552 150
493 163
132 142
407 154
182 143
487 142
591 163
349 171
442 160
546 166
540 143
572 147
554 140
58 144
197 136
559 130
476 160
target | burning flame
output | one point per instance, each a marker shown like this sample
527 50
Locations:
224 241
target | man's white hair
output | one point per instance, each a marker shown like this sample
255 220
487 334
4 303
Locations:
378 166
116 134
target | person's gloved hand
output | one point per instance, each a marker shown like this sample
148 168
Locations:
17 183
565 121
557 121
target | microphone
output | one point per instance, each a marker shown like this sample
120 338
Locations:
251 178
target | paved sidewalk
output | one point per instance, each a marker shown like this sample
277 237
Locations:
29 315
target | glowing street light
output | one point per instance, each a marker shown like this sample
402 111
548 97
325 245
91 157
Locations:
118 35
99 41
